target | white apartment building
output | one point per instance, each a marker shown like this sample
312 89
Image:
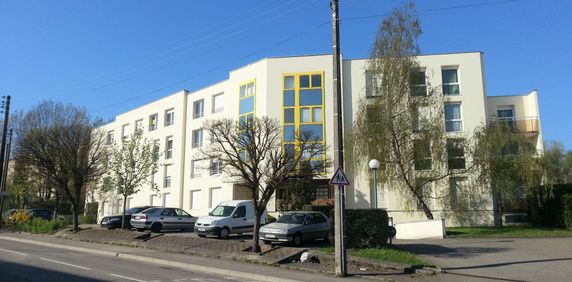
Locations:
298 91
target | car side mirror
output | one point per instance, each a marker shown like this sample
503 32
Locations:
210 213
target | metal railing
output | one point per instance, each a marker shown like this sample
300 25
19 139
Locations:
525 124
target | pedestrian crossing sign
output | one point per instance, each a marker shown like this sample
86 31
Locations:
339 178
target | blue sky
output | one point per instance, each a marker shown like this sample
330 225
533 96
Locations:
111 56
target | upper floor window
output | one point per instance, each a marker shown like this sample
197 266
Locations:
167 180
169 117
422 155
198 108
373 83
453 119
169 147
124 129
109 139
196 168
156 149
450 81
218 103
418 83
139 124
247 90
153 122
197 138
422 115
455 154
216 166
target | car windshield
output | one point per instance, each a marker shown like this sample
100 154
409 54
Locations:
135 210
222 211
292 218
149 211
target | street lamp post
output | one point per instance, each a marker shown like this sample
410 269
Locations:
374 165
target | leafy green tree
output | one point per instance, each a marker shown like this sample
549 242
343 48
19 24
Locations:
252 156
401 122
508 163
129 166
558 163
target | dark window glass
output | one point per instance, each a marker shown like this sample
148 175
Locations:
289 100
304 81
456 154
289 133
288 82
241 211
289 115
310 97
316 80
422 155
311 131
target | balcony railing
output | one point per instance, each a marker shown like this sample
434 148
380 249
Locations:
526 124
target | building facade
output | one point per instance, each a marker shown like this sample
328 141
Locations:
297 91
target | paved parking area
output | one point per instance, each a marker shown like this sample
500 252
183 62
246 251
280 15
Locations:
505 259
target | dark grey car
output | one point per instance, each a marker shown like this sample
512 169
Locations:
158 219
295 227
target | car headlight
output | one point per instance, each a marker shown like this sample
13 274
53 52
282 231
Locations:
281 231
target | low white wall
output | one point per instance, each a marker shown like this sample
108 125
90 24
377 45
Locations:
420 229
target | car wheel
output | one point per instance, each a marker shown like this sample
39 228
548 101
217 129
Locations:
141 229
156 227
202 236
297 241
223 233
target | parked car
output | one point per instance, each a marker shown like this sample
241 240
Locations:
41 213
159 218
114 221
228 217
296 227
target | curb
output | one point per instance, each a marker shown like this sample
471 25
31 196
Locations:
181 265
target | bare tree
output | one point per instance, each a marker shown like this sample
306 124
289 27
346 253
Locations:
60 142
253 156
129 167
401 121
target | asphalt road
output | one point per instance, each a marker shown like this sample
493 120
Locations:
500 259
23 262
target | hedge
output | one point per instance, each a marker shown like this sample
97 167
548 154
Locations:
365 228
324 209
554 211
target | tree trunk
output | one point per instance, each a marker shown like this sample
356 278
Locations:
75 210
426 210
256 232
497 210
123 214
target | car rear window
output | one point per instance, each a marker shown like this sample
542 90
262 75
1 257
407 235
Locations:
149 211
292 218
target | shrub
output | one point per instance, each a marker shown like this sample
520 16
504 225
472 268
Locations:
365 228
549 212
87 219
41 226
20 217
567 210
270 219
324 209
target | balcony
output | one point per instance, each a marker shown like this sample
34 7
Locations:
528 125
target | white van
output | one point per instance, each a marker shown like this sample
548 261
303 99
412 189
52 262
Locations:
229 217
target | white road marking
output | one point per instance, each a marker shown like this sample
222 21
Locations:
125 277
22 254
65 263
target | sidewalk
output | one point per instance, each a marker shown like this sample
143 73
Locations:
176 257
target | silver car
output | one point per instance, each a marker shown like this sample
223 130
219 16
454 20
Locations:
295 227
158 219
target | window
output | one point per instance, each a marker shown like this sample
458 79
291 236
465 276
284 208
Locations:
450 81
373 84
322 192
506 117
456 154
156 149
458 193
418 83
453 119
196 168
153 122
424 189
167 180
169 117
240 212
218 103
169 147
422 155
139 124
215 167
124 129
109 139
197 138
198 108
421 118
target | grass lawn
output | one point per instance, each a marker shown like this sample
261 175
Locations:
508 231
389 254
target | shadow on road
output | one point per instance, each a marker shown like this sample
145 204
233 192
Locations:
441 251
505 264
20 272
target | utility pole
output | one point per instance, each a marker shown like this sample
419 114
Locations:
6 106
339 207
